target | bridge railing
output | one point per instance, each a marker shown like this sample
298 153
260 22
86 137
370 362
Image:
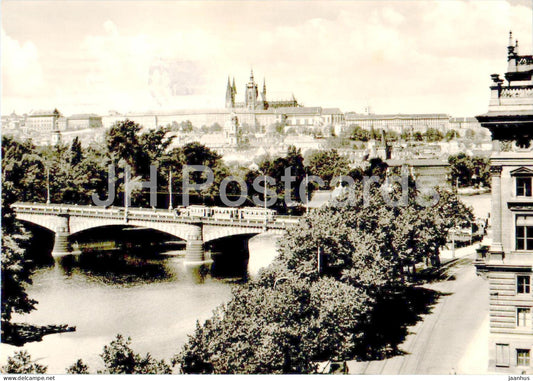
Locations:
144 214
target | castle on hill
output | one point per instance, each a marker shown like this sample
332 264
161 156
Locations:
253 100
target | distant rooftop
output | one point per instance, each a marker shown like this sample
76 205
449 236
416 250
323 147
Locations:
299 110
83 116
45 113
355 116
334 110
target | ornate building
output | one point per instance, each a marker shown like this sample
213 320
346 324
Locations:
507 263
253 100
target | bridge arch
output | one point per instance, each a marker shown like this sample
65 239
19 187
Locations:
31 225
212 233
81 224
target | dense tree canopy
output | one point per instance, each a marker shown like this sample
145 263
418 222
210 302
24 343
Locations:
327 165
469 170
315 301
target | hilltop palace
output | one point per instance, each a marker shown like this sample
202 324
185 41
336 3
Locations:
254 111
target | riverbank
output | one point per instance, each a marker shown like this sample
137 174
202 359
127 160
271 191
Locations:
18 334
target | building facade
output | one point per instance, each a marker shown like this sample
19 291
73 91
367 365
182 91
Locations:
83 121
507 262
43 121
400 123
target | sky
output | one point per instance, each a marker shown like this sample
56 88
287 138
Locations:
135 56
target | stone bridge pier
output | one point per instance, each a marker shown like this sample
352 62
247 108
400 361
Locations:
194 250
62 245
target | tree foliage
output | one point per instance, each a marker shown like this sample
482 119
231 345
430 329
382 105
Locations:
21 363
119 358
278 330
469 170
16 268
79 367
327 165
315 301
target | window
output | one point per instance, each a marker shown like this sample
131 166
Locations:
522 357
524 238
523 317
522 284
523 186
502 354
524 232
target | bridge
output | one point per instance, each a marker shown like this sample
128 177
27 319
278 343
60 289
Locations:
65 220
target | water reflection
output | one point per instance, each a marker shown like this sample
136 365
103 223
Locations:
152 298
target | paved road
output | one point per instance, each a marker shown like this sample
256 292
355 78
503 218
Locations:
437 344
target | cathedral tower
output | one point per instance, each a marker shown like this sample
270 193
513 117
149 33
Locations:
251 93
230 94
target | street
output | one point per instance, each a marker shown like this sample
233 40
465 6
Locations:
446 341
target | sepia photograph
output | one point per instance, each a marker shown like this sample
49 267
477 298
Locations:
266 188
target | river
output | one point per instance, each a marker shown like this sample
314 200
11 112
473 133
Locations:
156 302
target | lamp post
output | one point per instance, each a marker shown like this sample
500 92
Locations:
318 259
47 184
306 194
170 189
265 200
453 241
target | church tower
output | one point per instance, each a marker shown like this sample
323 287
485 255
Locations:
264 102
230 95
251 93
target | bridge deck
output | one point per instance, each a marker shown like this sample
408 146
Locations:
146 214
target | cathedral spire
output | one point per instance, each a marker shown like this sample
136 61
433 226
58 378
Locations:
230 96
251 75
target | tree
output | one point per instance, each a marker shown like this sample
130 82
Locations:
21 363
119 358
16 268
433 135
122 141
16 275
275 168
360 134
79 367
469 171
451 135
186 126
23 172
76 153
283 329
327 165
314 302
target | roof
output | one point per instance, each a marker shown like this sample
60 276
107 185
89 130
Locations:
418 163
45 113
334 110
507 113
83 116
299 110
353 116
469 119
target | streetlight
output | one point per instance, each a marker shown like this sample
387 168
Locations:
306 194
47 184
170 189
318 258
